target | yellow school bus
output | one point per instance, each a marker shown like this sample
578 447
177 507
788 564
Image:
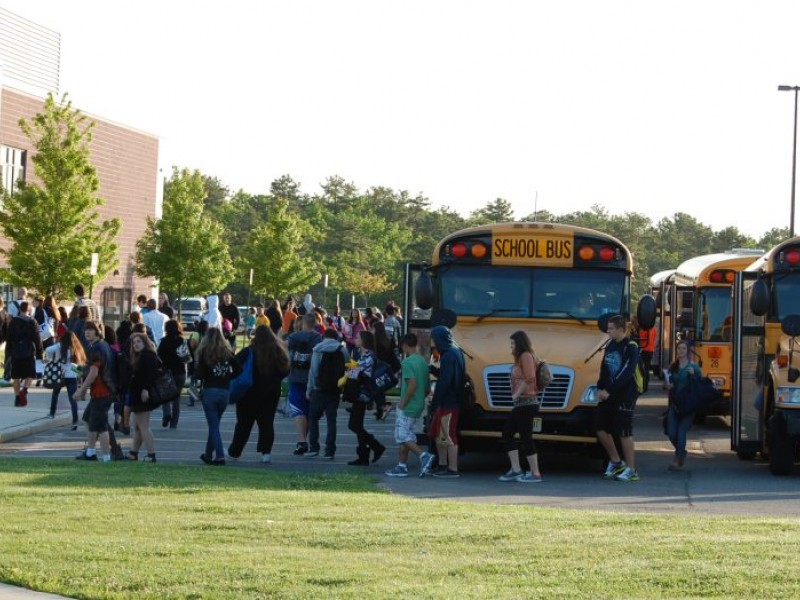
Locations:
702 287
765 410
554 281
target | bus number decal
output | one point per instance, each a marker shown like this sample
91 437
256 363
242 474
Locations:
715 363
543 249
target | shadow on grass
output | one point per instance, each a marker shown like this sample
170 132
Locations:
38 473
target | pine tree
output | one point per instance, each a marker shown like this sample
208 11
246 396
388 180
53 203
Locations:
54 227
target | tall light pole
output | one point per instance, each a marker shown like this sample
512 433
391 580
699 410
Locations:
790 88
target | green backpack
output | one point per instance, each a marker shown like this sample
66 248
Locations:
638 373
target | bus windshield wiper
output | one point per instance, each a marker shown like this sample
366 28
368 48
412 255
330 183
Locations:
498 310
563 312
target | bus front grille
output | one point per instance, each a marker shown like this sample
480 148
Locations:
555 397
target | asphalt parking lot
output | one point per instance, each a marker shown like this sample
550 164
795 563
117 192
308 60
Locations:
713 482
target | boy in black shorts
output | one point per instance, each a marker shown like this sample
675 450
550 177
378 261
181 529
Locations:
617 393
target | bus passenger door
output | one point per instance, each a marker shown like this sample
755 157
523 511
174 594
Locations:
664 327
747 390
415 319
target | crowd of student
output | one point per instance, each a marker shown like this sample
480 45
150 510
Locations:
326 359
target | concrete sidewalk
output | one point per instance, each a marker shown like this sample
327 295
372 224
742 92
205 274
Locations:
10 592
18 422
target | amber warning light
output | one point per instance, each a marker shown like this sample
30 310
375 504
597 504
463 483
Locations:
471 250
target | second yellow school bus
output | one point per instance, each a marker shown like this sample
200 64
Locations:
553 281
703 288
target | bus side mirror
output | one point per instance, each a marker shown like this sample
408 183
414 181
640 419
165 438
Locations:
423 291
759 298
646 312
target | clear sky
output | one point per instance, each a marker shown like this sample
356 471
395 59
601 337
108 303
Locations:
654 107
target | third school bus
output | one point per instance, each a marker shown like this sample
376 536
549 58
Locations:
552 281
702 288
765 415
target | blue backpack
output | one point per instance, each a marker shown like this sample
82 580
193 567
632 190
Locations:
238 387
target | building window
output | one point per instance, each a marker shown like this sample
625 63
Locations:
12 168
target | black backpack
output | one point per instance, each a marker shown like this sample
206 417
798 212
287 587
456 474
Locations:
383 378
331 370
22 346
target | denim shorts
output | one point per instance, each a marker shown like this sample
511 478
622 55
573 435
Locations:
404 429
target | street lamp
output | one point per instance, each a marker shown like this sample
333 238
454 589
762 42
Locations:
790 88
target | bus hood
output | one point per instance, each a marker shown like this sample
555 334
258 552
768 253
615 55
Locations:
558 344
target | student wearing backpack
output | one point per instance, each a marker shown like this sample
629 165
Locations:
24 346
327 368
69 352
617 394
168 353
100 384
358 390
524 391
681 373
270 366
415 387
301 346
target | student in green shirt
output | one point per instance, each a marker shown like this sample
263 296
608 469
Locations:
414 388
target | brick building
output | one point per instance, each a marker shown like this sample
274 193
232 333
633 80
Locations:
126 159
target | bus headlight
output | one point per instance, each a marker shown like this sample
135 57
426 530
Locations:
589 395
719 382
787 395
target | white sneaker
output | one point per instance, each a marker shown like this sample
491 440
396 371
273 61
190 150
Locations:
105 458
266 458
528 477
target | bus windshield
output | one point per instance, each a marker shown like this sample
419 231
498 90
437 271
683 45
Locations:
787 291
713 315
525 292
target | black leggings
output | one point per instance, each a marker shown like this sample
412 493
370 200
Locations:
520 420
356 425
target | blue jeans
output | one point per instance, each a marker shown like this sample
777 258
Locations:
677 428
72 387
215 401
327 404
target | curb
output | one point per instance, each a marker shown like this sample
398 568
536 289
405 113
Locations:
39 425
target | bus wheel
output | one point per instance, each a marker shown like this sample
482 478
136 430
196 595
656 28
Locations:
749 455
781 449
699 419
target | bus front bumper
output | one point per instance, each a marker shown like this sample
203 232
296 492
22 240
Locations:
576 427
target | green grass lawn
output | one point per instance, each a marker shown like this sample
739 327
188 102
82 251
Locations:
171 531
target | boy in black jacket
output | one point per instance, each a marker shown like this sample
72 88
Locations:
617 394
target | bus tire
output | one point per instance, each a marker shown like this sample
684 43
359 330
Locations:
781 448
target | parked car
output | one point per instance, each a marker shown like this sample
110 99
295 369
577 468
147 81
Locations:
191 309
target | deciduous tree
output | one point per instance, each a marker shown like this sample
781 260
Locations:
185 249
55 227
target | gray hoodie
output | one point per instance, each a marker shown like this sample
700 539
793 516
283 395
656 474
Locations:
326 345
